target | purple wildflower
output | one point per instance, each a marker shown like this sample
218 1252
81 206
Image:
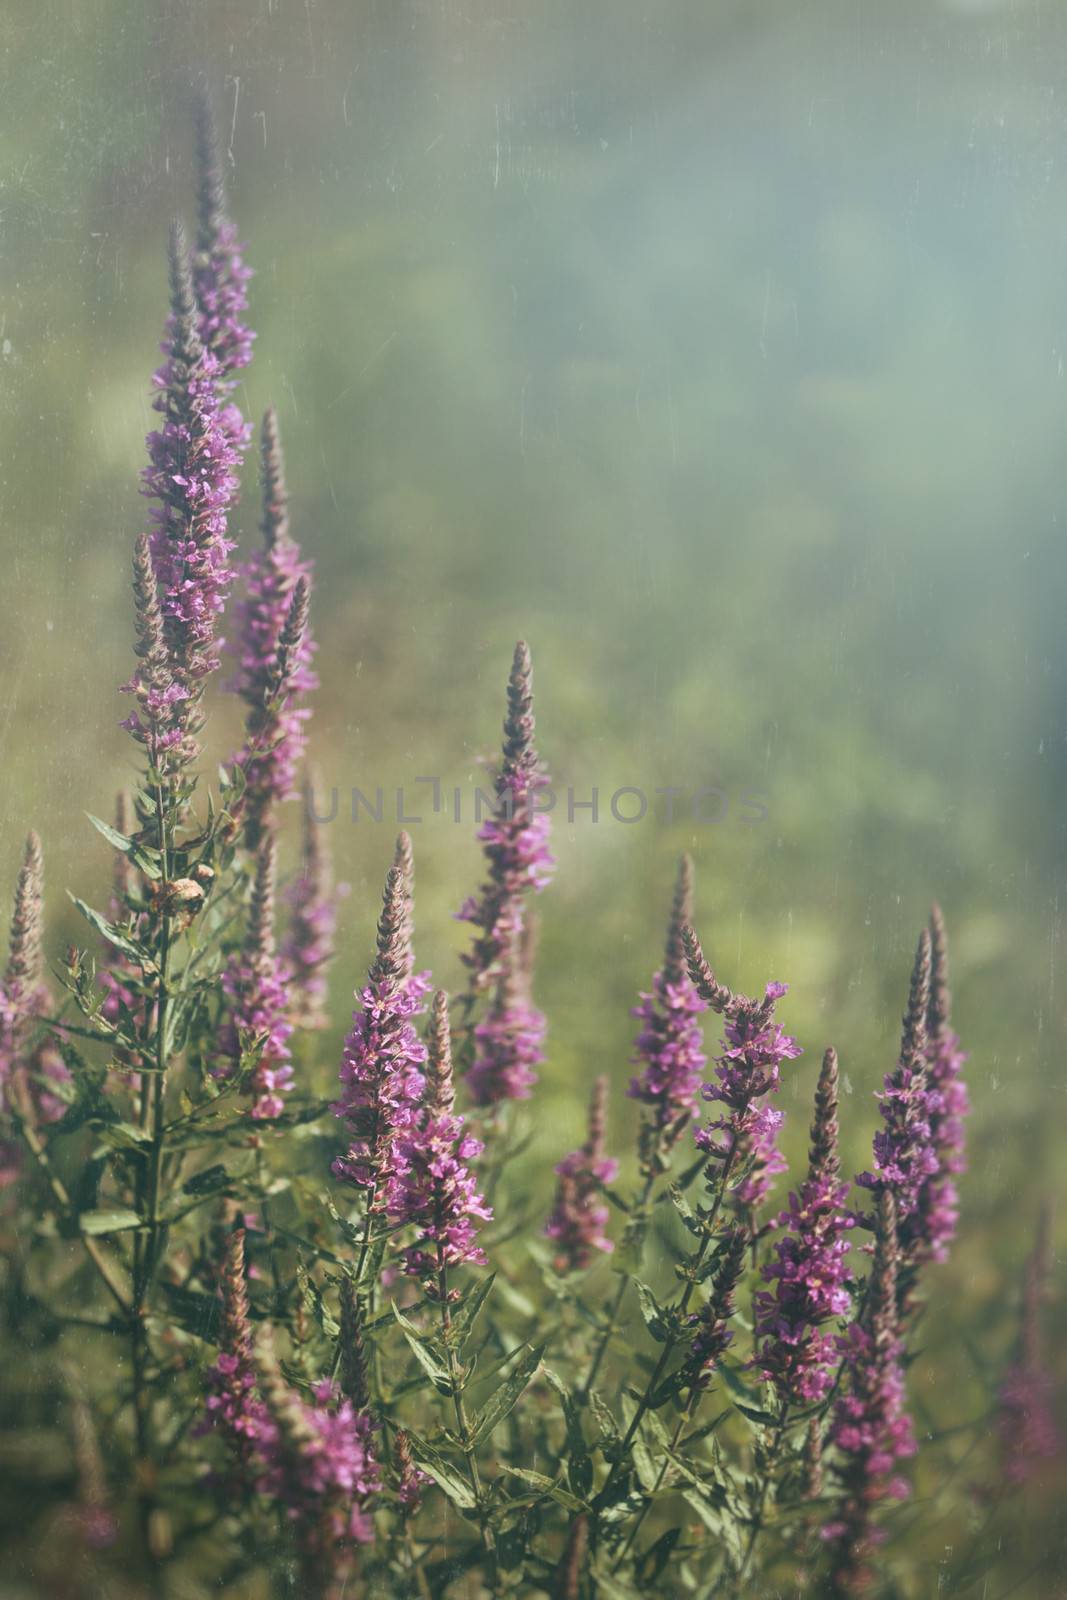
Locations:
410 1479
268 682
515 844
232 1405
808 1269
871 1430
905 1154
509 1041
220 275
258 1005
748 1068
352 1365
1029 1434
430 1186
579 1218
713 1335
930 1229
382 1079
670 1046
308 947
320 1466
27 1064
193 458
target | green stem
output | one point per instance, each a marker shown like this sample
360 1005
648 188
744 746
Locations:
153 1101
473 1475
686 1416
671 1342
24 1122
769 1465
640 1212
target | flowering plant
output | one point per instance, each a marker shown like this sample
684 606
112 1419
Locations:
334 1355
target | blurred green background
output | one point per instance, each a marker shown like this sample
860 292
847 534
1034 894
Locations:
716 349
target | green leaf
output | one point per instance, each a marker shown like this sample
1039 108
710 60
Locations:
196 1313
144 858
498 1406
114 935
207 1182
685 1210
466 1313
657 1556
429 1363
762 1419
445 1475
613 1588
118 1220
124 1135
647 1471
548 1486
656 1320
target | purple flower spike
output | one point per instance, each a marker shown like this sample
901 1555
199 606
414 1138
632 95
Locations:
308 947
193 458
1027 1426
232 1404
220 275
919 1148
508 1044
713 1335
26 1066
431 1187
321 1467
931 1228
382 1078
808 1269
871 1429
670 1046
254 985
579 1219
273 670
748 1068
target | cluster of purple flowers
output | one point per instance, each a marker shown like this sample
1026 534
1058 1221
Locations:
808 1268
1026 1421
712 1335
191 475
257 1015
432 1189
28 1064
670 1045
579 1219
316 1459
308 946
508 1044
747 1070
220 274
382 1078
919 1150
268 681
430 1185
870 1427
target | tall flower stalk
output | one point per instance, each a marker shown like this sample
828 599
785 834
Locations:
274 652
579 1219
1027 1429
256 1028
870 1430
501 1053
383 1061
308 946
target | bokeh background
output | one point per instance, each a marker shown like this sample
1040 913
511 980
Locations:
716 349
